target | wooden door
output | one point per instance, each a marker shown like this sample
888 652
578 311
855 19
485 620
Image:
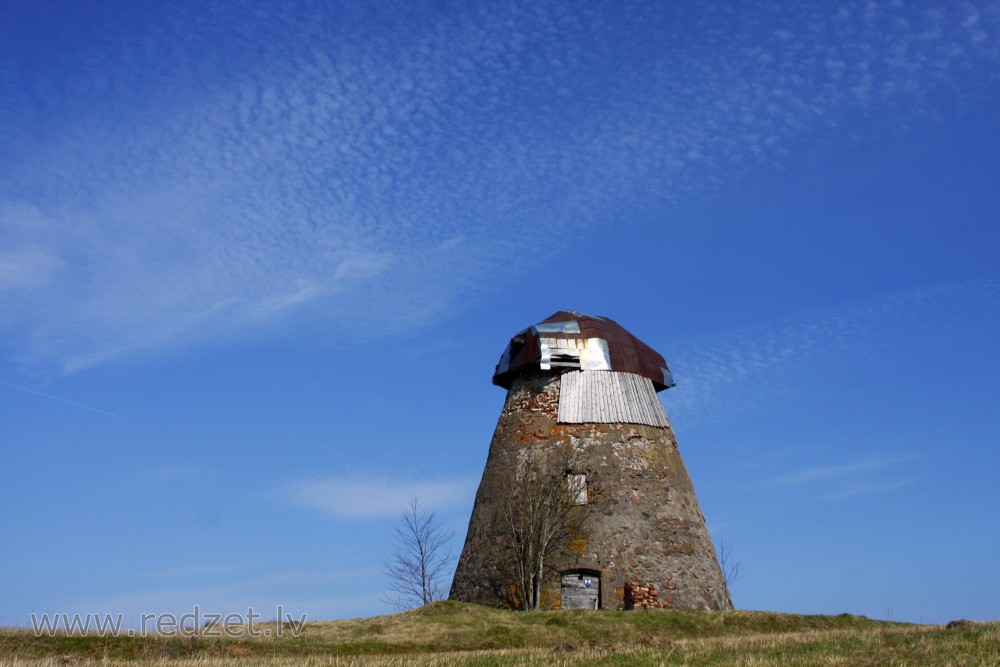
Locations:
581 590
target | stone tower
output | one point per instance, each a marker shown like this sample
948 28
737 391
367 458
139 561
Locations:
581 398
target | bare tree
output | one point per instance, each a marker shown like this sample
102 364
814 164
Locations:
421 560
732 569
540 517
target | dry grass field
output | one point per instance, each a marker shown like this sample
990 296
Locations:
449 633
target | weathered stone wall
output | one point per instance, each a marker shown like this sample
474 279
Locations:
644 526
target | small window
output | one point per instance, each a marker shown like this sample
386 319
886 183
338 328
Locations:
576 486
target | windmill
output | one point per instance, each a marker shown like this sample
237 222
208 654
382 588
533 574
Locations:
583 428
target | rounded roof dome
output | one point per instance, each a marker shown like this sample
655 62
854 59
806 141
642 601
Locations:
569 340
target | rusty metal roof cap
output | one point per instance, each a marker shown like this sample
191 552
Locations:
570 340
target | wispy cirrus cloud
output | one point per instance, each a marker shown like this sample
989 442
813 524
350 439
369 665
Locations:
28 268
198 570
170 472
840 481
872 487
727 373
368 167
360 497
832 471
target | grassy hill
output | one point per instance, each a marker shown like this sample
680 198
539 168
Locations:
450 633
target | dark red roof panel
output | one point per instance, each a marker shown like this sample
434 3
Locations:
569 340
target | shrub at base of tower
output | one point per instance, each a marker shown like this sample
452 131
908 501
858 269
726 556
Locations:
539 518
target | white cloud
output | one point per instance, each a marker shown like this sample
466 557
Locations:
333 179
868 476
376 497
170 472
872 487
826 472
719 376
200 569
28 268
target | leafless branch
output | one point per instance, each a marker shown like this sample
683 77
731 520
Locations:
540 517
421 561
732 569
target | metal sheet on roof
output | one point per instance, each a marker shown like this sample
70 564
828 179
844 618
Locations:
532 350
570 326
602 397
574 353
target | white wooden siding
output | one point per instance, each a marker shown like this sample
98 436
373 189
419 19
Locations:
606 397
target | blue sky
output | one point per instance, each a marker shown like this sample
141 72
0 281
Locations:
258 261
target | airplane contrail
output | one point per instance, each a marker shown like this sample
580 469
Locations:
62 400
